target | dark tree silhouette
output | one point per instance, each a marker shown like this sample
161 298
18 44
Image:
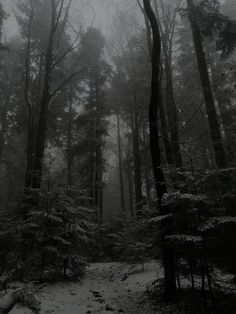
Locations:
213 121
169 265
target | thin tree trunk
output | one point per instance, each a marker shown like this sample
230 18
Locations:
131 192
29 152
166 141
214 126
91 173
100 178
137 163
226 116
69 143
99 158
172 112
122 196
148 184
4 125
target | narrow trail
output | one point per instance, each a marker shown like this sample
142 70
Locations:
107 288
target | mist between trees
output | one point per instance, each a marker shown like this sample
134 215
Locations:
118 144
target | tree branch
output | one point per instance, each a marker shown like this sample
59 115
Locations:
66 81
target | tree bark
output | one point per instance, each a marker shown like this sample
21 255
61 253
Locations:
148 184
167 40
168 150
166 141
4 125
99 157
69 143
137 162
44 106
122 195
168 257
172 112
214 125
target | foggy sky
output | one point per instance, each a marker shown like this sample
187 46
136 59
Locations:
103 9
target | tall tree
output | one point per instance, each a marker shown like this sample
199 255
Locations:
48 46
119 144
169 264
162 110
167 23
3 111
92 119
214 125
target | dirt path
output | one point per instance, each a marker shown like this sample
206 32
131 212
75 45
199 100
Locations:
107 288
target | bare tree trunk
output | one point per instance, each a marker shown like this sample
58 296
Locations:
137 162
44 106
207 91
4 125
131 192
172 113
29 152
168 151
69 143
99 157
226 115
122 196
166 141
91 174
168 257
148 184
167 32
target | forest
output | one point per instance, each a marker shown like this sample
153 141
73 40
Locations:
118 156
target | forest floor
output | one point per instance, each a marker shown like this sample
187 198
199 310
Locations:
107 288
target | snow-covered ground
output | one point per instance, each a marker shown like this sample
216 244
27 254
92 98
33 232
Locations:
107 288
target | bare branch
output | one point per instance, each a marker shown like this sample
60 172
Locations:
71 48
73 45
64 22
59 13
66 82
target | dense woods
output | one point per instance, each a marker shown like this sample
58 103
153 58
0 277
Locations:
118 145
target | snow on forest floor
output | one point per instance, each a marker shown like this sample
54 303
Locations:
107 288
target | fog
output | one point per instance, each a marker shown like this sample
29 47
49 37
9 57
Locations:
117 156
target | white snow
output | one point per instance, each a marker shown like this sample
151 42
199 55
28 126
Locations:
107 288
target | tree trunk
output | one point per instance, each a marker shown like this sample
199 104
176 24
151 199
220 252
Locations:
168 151
33 116
131 192
166 141
168 257
148 185
98 158
69 143
226 115
29 152
122 195
91 173
44 106
207 91
4 125
137 163
172 112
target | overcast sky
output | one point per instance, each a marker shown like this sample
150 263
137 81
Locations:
102 8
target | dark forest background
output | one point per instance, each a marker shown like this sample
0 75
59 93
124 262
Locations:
92 170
